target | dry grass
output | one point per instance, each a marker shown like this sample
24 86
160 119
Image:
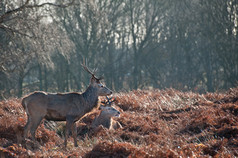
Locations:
156 123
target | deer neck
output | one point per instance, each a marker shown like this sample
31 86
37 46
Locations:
91 97
105 120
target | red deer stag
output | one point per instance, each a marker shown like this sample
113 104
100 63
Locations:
69 107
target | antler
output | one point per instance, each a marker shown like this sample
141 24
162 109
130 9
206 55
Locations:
86 69
108 101
92 73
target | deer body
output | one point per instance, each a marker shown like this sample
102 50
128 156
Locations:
69 107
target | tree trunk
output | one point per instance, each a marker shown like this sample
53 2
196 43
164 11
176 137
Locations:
40 78
45 79
20 84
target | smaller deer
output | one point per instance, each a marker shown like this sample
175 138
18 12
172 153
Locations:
105 117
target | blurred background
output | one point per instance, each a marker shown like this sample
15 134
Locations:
189 45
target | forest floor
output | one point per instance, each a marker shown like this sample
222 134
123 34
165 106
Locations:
156 123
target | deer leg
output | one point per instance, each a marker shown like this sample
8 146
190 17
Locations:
66 136
35 123
69 124
74 133
27 127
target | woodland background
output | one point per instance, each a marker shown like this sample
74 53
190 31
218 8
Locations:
185 44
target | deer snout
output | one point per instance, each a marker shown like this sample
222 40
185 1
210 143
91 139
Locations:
109 92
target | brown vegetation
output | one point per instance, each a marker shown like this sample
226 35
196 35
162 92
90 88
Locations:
156 123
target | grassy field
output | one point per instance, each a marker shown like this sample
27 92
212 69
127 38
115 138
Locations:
156 123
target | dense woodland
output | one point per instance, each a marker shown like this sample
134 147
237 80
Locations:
185 44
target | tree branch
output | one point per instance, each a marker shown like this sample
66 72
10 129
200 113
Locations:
51 4
26 5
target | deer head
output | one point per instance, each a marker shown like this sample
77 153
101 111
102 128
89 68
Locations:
109 111
95 82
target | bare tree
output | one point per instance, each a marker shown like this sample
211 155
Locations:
145 18
28 40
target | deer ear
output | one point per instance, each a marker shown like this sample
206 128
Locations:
93 79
